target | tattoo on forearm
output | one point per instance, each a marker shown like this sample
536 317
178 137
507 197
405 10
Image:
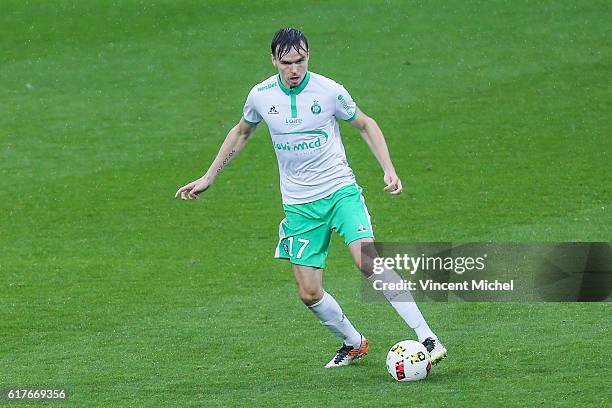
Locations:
226 160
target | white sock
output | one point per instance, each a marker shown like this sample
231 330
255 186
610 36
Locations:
331 316
403 302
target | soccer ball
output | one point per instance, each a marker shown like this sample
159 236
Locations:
408 360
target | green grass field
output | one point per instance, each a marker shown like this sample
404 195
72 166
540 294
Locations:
497 114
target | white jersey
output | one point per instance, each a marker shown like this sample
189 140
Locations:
303 124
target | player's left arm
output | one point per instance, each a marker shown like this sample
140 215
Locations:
373 136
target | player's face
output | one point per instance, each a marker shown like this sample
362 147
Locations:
292 67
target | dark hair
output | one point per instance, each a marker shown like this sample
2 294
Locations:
287 38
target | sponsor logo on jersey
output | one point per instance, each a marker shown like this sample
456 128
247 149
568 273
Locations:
315 108
293 121
361 228
313 144
345 105
272 111
265 87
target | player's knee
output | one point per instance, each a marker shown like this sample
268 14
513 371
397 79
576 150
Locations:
310 296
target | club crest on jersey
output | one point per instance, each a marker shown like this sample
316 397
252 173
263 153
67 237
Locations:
272 111
315 108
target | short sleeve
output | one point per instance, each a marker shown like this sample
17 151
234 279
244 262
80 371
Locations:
346 109
249 113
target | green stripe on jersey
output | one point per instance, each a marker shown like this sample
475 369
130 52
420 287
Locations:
307 132
352 118
292 92
293 106
249 122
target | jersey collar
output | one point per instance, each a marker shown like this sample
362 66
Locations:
297 89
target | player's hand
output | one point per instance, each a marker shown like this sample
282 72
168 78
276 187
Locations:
394 184
193 190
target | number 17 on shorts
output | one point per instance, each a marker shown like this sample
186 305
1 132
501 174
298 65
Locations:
304 243
306 248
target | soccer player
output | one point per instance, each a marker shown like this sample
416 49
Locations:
318 188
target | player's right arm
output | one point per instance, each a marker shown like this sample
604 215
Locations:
234 142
